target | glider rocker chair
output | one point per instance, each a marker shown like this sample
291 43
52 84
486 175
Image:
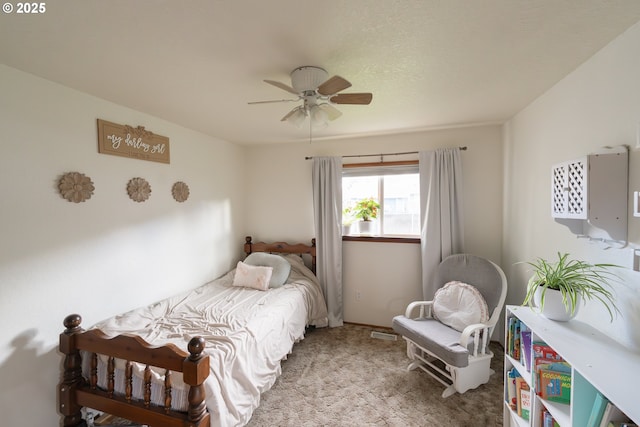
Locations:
449 337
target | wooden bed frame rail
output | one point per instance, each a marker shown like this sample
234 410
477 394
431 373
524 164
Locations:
282 248
75 392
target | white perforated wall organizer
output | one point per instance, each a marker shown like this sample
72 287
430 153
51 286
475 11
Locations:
594 189
570 189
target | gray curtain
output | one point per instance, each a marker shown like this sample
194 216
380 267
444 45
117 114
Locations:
442 231
327 210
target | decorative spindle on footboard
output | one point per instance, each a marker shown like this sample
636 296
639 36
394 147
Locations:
72 372
75 392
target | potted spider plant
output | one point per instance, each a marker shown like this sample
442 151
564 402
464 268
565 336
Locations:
366 210
557 288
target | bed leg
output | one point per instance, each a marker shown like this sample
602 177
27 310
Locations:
196 370
72 373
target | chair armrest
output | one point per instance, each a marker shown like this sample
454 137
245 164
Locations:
422 305
478 330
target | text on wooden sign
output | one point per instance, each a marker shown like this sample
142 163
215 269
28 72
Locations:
136 143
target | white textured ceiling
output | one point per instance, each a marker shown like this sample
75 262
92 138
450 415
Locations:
428 63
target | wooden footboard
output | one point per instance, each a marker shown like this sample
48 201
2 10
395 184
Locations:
76 392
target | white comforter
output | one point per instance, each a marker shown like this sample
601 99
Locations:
247 333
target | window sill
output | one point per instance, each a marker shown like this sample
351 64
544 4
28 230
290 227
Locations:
381 239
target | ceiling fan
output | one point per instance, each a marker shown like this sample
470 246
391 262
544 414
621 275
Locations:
318 94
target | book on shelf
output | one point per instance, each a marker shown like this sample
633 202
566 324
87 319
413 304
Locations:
516 340
551 374
542 351
547 420
518 394
519 342
525 401
555 386
613 414
510 332
520 383
597 410
525 340
512 374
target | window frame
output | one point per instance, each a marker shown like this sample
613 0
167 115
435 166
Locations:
381 238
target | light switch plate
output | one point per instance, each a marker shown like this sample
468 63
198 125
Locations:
636 203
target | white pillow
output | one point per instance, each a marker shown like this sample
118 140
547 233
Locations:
281 267
250 276
459 305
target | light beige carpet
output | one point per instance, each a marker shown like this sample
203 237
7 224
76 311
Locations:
343 377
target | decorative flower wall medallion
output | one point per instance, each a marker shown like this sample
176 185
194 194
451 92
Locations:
76 187
138 189
180 191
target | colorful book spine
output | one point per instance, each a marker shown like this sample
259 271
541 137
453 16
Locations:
516 340
511 388
525 402
547 420
511 328
525 339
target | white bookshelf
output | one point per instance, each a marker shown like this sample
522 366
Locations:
598 363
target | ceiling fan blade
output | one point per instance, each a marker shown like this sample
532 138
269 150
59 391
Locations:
332 112
275 100
289 114
282 86
352 98
334 85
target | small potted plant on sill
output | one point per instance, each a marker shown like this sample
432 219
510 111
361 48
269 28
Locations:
557 288
366 210
347 221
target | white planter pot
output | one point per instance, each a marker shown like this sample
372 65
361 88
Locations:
554 308
365 227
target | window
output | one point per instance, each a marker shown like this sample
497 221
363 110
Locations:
395 188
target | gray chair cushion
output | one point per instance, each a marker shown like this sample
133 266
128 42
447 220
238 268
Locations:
475 271
436 337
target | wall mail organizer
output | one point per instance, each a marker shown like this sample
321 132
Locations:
135 143
589 195
75 187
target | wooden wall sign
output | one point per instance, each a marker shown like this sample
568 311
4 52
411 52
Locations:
136 143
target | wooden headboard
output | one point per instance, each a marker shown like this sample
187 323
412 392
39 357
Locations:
283 248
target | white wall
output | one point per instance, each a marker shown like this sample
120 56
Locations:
108 254
279 206
596 105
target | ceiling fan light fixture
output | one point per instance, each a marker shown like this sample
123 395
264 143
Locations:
319 117
332 112
297 116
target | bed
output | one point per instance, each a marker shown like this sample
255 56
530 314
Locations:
200 358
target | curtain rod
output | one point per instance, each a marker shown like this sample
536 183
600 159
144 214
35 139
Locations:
381 155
